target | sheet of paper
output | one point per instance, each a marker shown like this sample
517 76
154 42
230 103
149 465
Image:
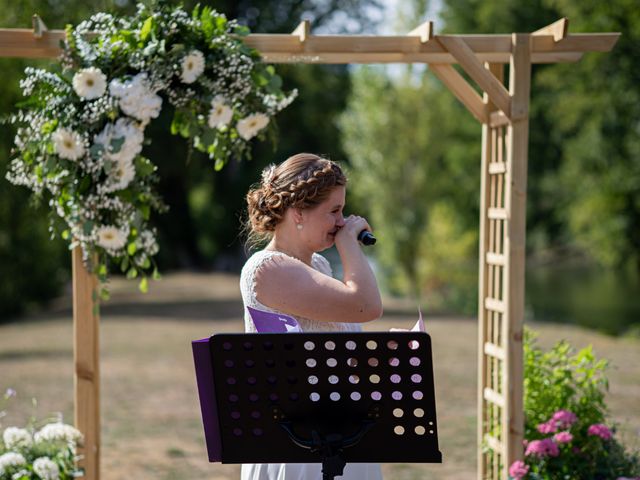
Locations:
418 327
269 322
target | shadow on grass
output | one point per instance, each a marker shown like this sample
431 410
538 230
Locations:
187 310
20 355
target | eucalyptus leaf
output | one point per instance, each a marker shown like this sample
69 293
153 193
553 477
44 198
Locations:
116 144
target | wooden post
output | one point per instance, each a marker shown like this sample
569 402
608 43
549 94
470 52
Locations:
516 206
86 362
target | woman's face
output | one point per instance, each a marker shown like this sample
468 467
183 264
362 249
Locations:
322 222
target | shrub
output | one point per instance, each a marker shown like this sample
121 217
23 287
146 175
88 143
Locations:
46 452
566 430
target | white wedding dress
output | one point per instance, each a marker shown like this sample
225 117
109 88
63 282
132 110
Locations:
295 471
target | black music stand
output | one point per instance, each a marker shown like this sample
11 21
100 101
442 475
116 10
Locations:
327 398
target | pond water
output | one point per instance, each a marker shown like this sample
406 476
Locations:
605 300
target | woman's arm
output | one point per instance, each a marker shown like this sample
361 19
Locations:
288 285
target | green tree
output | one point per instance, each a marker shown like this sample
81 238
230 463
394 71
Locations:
419 189
584 174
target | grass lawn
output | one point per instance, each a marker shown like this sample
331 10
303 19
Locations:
151 424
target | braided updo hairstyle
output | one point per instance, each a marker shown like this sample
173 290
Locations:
302 181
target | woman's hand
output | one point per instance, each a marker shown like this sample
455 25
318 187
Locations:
353 225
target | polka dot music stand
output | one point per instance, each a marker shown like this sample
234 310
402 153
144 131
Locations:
318 397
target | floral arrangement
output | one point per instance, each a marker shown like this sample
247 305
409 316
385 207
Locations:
566 432
47 453
81 129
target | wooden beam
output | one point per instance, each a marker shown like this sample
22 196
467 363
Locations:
474 68
577 42
498 119
424 31
461 89
302 31
424 58
557 29
86 353
287 48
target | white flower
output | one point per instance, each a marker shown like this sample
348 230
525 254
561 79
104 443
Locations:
192 66
53 432
14 437
10 460
123 129
68 144
46 468
90 83
220 114
249 126
111 238
147 242
136 97
120 176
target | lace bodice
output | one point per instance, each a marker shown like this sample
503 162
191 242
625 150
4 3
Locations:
247 288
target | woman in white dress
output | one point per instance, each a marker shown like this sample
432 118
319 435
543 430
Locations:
298 207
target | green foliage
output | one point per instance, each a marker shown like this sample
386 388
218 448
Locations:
584 174
564 394
562 379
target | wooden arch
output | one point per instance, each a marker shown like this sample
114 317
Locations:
503 112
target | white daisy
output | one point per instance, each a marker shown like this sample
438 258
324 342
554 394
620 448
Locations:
249 126
121 175
46 468
192 66
111 238
90 83
15 437
220 114
68 144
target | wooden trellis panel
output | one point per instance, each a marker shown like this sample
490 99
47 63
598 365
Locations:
501 276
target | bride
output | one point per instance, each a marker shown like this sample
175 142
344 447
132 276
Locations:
298 208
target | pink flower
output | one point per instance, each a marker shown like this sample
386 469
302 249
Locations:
564 418
601 430
518 469
547 427
562 437
542 448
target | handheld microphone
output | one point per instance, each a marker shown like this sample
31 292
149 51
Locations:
366 238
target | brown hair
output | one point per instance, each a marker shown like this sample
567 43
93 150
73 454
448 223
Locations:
301 181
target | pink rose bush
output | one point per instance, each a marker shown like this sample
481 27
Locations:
600 430
518 469
543 456
567 436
